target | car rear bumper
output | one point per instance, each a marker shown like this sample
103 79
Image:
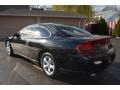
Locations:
89 64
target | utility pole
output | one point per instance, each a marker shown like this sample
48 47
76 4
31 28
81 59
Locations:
115 8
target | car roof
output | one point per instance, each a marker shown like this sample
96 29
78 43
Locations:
45 24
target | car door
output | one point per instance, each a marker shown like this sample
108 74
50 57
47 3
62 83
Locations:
19 43
37 40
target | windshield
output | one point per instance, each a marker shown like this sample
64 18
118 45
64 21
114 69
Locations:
70 31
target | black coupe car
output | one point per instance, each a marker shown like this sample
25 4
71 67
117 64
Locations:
61 47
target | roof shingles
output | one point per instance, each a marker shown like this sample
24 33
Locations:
27 12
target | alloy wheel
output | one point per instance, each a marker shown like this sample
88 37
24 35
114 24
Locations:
48 65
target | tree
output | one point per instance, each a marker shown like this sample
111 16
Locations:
81 9
102 28
117 29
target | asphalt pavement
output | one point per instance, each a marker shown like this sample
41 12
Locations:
20 71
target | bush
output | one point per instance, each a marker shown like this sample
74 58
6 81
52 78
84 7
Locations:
117 29
102 28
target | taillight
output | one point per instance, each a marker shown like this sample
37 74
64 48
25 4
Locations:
84 48
93 46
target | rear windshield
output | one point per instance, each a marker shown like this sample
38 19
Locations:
69 31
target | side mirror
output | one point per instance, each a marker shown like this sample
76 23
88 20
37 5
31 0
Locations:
17 35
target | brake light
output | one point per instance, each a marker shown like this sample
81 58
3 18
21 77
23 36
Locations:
84 48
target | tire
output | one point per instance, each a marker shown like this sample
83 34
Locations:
49 65
9 49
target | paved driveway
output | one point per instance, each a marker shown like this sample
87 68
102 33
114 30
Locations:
17 70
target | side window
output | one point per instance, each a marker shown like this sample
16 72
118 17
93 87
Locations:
38 32
24 33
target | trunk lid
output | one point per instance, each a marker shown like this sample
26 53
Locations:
93 45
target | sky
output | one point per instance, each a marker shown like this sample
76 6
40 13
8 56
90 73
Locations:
98 7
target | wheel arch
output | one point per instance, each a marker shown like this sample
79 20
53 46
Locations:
6 41
41 52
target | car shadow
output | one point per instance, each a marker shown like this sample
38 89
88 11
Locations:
110 76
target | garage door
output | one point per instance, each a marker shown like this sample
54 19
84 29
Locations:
10 25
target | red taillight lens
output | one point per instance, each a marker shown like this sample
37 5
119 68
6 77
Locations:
84 48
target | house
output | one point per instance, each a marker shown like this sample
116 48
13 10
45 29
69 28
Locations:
42 7
12 20
111 13
30 7
5 7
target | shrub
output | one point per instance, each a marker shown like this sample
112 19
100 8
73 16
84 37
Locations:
102 28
